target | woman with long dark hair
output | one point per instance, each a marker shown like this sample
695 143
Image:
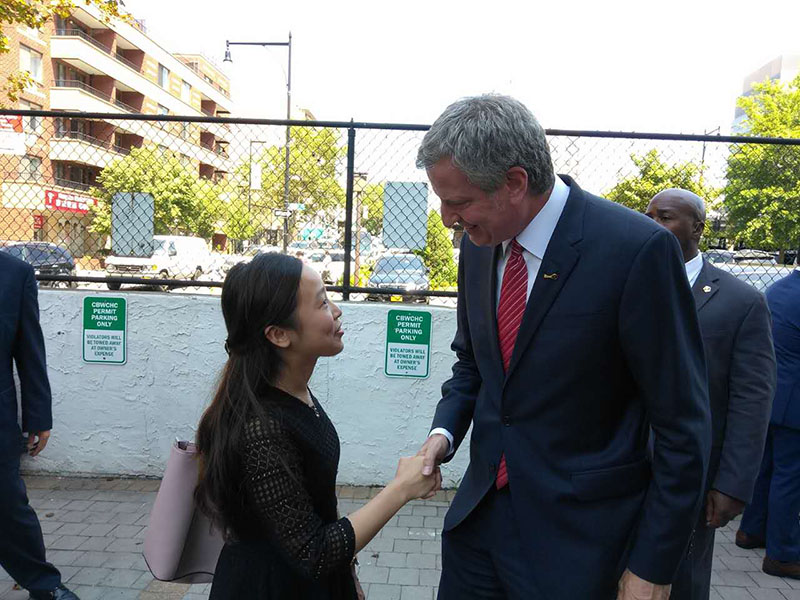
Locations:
269 453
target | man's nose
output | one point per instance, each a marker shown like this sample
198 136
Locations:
449 217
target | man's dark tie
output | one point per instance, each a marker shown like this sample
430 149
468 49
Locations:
513 295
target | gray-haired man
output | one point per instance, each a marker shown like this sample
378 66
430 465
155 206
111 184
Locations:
576 332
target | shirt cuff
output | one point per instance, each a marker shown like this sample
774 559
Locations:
446 434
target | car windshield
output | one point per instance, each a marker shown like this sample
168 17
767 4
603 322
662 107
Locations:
399 263
160 246
44 254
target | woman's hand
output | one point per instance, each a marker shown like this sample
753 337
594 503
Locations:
412 482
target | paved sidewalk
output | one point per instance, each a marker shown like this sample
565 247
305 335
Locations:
94 530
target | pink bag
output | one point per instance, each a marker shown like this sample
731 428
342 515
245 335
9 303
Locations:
180 544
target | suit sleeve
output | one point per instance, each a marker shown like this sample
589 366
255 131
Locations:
455 409
661 339
751 386
29 356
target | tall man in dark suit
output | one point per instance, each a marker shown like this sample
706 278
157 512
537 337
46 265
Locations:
22 552
736 329
576 333
771 520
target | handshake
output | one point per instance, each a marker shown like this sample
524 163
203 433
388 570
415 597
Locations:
419 476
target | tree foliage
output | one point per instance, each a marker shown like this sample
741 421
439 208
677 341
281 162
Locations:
35 14
438 254
183 203
655 175
762 195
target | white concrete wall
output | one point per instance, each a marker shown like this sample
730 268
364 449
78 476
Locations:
121 419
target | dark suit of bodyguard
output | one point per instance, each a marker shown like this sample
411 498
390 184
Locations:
22 551
608 346
736 329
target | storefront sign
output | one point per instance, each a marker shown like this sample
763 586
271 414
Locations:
67 202
408 343
12 137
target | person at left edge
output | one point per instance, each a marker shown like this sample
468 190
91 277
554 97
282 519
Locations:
22 551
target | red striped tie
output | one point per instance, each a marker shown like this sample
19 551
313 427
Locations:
513 296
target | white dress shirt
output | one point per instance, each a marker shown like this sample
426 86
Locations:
534 240
693 268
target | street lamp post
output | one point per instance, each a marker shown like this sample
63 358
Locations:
288 45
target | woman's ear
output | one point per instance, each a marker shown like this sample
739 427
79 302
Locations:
278 336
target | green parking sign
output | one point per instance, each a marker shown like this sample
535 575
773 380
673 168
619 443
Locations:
105 330
408 343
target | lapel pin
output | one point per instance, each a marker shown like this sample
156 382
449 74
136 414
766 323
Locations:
707 289
550 275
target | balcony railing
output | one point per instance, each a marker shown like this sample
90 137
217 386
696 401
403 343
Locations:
75 185
199 73
79 135
74 83
99 45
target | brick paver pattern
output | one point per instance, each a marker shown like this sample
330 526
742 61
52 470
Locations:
94 529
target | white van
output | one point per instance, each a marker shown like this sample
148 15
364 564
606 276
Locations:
174 257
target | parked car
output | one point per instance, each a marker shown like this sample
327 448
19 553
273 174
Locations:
760 277
45 258
754 257
720 257
404 272
228 260
173 257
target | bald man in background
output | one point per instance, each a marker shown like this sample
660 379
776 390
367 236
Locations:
737 335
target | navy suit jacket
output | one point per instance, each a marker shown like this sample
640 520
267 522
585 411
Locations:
21 342
737 335
609 345
784 303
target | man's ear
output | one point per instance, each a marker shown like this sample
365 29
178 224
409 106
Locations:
699 228
278 336
517 183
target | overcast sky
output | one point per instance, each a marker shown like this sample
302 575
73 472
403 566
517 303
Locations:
616 65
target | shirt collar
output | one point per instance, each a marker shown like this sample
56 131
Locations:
536 236
693 268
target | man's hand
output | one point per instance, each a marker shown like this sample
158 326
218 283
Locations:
434 450
37 441
633 587
721 508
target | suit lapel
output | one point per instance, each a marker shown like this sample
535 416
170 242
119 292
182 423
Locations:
490 310
705 287
559 260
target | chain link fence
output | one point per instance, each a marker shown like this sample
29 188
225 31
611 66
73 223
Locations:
172 203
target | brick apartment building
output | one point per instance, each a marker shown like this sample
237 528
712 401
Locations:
86 64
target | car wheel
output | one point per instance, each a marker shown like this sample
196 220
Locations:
113 286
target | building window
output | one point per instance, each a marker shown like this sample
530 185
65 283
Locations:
163 110
163 76
186 92
30 168
31 124
30 60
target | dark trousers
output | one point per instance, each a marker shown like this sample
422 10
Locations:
483 557
22 552
693 579
776 499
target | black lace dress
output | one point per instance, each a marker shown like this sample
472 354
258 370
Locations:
290 542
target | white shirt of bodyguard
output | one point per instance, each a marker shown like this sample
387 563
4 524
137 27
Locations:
693 268
534 240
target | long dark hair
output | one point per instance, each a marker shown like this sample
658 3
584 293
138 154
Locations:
254 296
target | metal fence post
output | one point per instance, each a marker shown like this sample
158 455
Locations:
348 210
